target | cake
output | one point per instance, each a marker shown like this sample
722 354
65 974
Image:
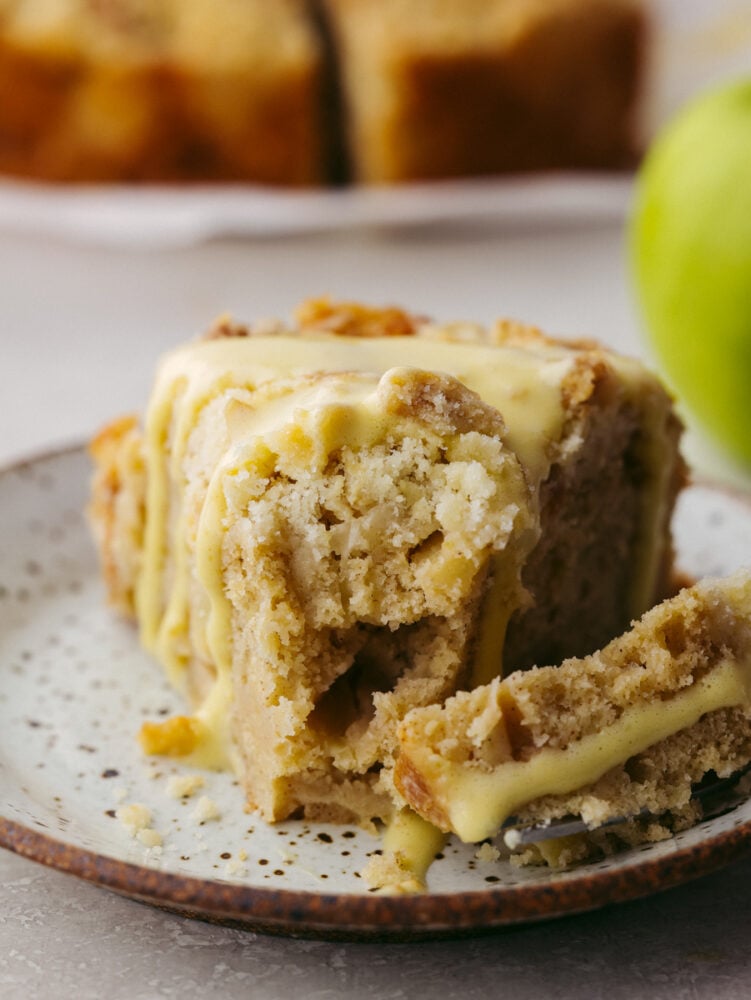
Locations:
625 732
439 88
323 525
272 91
133 90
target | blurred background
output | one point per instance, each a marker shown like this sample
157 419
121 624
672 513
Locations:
121 258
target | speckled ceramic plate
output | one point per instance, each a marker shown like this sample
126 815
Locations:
74 687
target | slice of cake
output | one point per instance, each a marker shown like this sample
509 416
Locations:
324 525
128 90
439 88
626 731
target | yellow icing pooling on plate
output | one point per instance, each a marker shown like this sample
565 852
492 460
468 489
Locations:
410 845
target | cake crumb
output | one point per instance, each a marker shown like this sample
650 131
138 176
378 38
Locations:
135 817
235 867
184 786
149 837
487 852
173 737
390 874
206 809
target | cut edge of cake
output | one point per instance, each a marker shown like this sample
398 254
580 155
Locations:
625 732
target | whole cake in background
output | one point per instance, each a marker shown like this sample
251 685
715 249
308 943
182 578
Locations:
308 92
134 90
322 526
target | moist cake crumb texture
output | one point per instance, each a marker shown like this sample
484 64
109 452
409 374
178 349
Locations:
692 651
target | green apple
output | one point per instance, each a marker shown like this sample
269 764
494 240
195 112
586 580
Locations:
691 256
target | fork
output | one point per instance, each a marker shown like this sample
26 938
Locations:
716 795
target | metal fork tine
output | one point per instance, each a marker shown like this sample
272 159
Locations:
717 795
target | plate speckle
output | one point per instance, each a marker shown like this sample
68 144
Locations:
75 686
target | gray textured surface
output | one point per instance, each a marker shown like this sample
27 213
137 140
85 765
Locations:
59 937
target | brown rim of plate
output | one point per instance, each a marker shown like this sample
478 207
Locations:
340 916
374 917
